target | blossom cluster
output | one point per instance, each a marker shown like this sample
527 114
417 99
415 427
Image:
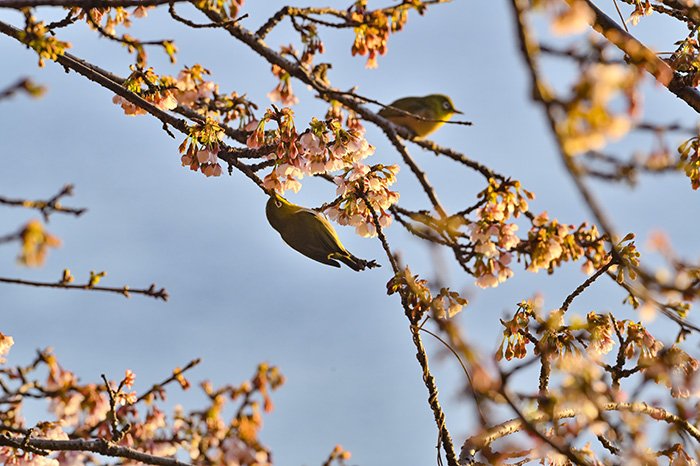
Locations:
200 149
418 299
573 18
109 18
327 147
590 122
493 238
157 90
85 412
283 92
359 185
641 8
228 9
191 89
36 36
6 343
686 59
339 455
591 339
324 147
346 116
690 159
528 321
549 243
373 29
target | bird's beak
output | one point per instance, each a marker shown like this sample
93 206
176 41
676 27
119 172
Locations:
457 111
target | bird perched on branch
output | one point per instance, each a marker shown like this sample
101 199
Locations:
431 112
310 233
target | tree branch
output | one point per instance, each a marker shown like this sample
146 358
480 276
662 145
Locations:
16 4
486 438
99 446
125 290
643 56
49 206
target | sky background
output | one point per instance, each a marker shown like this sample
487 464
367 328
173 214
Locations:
238 294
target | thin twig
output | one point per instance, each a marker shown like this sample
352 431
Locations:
86 4
49 206
124 291
589 281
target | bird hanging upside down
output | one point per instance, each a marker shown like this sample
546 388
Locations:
310 233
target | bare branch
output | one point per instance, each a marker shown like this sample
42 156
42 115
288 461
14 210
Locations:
643 56
481 440
16 4
49 206
99 446
125 290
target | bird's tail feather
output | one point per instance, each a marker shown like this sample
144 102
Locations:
355 263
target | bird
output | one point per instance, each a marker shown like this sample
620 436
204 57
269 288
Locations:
433 111
310 233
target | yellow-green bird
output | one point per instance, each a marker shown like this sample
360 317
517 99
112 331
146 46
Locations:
434 110
310 233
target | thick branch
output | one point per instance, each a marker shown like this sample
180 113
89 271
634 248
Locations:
99 446
348 100
421 355
82 3
484 439
642 55
95 74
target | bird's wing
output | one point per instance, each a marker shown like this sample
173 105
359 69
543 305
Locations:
308 232
325 239
408 105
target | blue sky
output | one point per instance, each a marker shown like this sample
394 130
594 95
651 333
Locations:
239 295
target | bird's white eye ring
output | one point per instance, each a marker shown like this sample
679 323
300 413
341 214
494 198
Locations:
278 203
446 105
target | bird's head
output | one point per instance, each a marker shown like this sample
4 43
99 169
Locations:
277 200
441 106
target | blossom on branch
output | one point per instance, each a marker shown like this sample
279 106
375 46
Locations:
357 186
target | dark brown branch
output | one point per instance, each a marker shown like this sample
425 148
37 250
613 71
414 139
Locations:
530 427
644 57
10 238
421 354
589 281
82 3
483 439
419 174
77 65
94 74
539 91
176 374
438 413
49 206
125 290
117 433
307 14
22 85
193 25
297 71
99 446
